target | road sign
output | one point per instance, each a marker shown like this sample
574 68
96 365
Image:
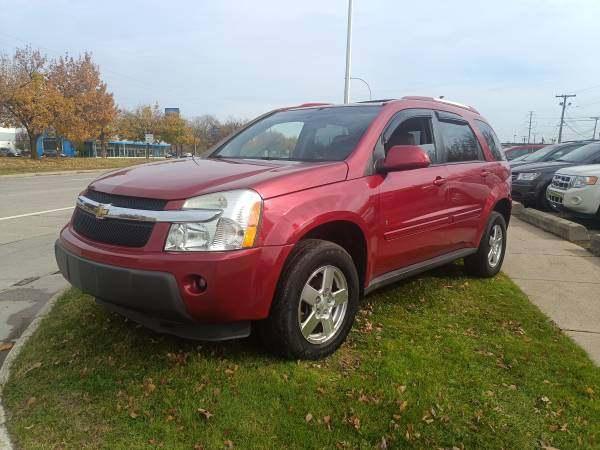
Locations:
148 138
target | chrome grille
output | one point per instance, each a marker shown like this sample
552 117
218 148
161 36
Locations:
562 182
554 198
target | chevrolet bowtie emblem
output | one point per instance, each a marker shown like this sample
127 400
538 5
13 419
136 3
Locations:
101 211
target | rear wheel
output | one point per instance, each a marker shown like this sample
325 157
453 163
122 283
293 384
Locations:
315 304
490 254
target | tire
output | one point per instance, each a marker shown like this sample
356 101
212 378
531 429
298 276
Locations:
542 202
302 294
482 264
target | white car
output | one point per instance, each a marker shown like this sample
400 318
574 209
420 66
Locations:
576 189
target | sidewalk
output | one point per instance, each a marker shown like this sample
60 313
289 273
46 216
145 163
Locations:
561 278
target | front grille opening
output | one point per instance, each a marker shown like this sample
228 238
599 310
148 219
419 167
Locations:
111 231
125 201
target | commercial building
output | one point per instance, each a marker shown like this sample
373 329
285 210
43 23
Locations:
8 137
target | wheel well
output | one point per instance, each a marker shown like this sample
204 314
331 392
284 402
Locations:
350 237
504 207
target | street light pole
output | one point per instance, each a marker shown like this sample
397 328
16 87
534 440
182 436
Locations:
367 84
348 54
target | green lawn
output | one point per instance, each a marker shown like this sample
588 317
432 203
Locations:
441 361
9 166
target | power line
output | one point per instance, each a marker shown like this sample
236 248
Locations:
562 115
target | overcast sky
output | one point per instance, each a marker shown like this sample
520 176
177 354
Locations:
241 58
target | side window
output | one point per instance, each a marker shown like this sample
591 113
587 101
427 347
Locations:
278 141
492 140
414 131
460 143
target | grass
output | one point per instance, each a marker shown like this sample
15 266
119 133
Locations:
441 361
9 166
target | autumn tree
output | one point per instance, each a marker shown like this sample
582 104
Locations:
88 110
27 97
174 130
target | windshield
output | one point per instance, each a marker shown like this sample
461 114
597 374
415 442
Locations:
582 154
315 134
551 152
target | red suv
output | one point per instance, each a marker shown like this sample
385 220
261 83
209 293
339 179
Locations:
290 221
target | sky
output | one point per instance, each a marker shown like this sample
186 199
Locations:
242 58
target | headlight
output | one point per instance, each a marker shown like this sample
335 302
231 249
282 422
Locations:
234 228
528 176
579 182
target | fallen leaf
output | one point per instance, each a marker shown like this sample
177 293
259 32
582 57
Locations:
133 415
308 417
228 443
354 421
198 447
4 346
204 412
30 401
37 365
383 444
327 421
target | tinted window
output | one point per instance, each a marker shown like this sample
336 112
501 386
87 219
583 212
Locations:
492 140
312 134
460 143
414 131
582 154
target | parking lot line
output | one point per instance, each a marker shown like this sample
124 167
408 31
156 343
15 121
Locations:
37 213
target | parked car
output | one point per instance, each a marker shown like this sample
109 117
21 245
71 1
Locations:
530 181
549 153
9 152
576 189
521 150
291 220
53 154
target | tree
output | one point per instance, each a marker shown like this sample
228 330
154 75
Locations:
27 98
202 131
174 130
89 110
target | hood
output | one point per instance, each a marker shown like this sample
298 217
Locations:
550 166
589 170
184 178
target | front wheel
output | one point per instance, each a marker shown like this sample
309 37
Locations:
316 302
490 254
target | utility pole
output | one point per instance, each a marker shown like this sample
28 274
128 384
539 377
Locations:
348 54
529 133
562 115
595 125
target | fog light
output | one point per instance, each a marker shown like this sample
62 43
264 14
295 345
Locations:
194 284
576 200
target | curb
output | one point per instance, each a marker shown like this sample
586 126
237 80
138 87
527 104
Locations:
566 229
62 172
5 443
595 244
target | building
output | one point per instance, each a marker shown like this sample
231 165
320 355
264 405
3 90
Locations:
172 112
8 137
127 149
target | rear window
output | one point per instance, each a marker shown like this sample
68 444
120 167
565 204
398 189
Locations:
492 140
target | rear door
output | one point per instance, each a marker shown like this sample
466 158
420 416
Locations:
469 178
413 215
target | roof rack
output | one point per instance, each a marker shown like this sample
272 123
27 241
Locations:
309 104
383 100
441 100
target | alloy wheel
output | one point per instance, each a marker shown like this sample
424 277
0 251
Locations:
323 304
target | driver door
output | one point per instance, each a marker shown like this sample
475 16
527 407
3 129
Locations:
413 214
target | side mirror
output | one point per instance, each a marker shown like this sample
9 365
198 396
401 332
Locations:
403 157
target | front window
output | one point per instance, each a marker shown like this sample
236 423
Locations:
312 134
582 154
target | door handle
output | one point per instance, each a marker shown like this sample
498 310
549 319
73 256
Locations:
439 181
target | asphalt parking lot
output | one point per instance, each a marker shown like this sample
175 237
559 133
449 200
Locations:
32 211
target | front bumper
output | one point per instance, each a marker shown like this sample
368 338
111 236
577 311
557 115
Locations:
580 200
525 192
149 286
